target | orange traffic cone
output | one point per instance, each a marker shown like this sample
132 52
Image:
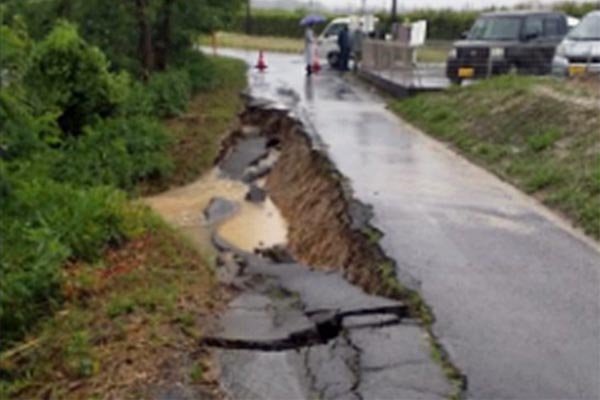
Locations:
316 67
261 65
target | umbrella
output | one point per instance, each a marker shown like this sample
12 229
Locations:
312 19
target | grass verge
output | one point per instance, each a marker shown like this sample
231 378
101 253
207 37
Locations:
545 142
267 43
130 320
128 328
432 52
435 51
197 133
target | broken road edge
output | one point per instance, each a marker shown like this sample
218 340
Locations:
369 267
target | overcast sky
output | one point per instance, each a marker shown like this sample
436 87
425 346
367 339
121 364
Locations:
477 4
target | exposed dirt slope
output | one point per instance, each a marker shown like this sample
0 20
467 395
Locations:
313 199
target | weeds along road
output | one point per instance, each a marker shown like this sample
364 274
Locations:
515 291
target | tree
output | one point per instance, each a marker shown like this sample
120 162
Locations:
140 36
145 47
163 34
68 75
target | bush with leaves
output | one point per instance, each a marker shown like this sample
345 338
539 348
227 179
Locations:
15 46
118 152
44 223
138 101
169 27
69 76
202 71
72 134
22 132
170 92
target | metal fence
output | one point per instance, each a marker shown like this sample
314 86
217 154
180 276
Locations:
380 55
402 64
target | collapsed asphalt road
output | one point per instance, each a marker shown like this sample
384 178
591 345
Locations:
293 331
514 289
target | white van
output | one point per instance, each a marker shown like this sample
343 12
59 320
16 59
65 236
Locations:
327 42
579 52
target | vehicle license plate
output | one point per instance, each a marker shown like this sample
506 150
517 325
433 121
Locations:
577 70
466 72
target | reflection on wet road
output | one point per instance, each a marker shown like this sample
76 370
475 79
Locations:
515 291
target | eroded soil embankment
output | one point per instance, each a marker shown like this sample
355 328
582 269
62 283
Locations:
324 229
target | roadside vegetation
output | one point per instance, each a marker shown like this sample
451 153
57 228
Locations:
443 24
537 133
195 135
255 42
93 283
432 52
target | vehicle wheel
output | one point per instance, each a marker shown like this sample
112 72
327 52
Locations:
456 81
333 59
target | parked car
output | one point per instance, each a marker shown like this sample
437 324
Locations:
579 52
502 42
328 45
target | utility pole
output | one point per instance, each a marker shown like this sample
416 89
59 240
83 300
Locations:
248 17
394 11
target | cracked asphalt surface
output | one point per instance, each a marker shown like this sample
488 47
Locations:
295 333
366 360
515 290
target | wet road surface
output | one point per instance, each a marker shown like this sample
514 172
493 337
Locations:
515 291
292 332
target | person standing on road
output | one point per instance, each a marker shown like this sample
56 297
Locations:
344 45
357 45
309 40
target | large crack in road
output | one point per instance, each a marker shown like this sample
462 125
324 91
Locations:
328 325
318 316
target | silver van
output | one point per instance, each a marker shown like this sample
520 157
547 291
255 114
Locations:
579 52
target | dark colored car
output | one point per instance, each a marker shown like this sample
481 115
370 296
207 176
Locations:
502 42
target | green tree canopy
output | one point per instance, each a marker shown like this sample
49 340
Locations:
138 35
70 76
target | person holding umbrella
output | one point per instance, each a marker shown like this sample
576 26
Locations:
309 39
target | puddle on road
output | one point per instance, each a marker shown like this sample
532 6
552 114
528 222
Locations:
183 207
255 226
252 226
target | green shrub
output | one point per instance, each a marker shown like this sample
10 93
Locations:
541 141
576 9
14 54
22 132
170 92
138 101
201 70
443 24
43 224
30 266
71 77
229 72
118 152
272 23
